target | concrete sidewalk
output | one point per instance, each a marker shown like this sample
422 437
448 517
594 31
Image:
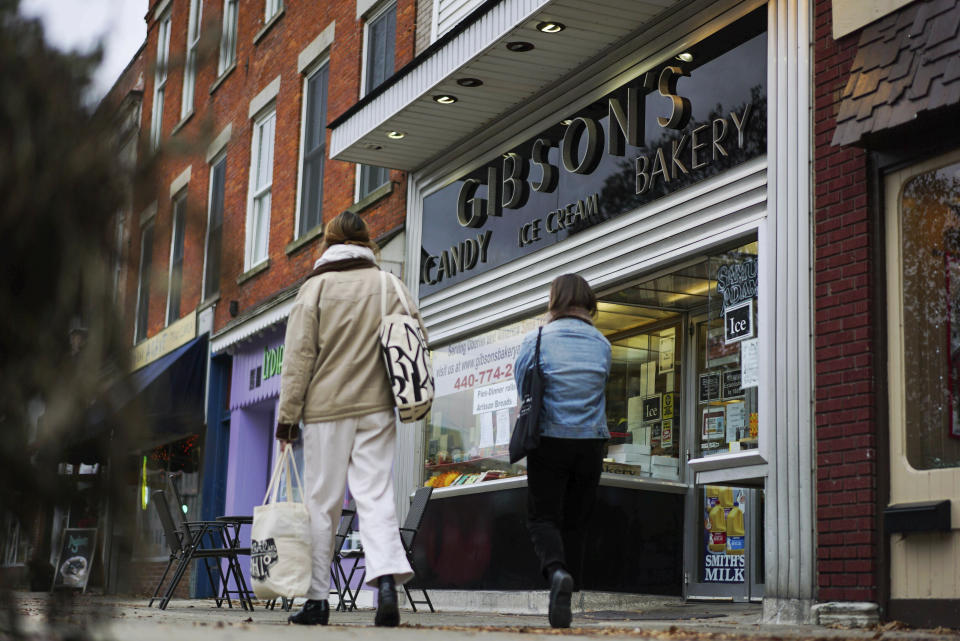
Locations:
114 618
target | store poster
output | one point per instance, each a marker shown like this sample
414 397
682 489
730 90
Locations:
713 425
709 387
75 558
750 363
725 535
668 344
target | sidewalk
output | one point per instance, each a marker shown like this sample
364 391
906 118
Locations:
123 619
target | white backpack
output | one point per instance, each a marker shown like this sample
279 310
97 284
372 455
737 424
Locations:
406 357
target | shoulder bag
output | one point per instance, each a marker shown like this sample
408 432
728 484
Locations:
406 357
526 431
280 541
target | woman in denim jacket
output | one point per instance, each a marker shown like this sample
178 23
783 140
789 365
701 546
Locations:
564 472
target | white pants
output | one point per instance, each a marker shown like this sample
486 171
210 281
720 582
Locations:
361 449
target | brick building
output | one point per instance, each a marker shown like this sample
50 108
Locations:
233 189
887 95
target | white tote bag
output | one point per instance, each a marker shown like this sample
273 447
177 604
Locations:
406 357
280 554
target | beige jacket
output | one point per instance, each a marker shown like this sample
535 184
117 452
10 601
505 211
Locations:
332 364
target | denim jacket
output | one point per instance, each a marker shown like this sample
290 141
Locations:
575 359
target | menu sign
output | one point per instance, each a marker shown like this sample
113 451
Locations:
75 559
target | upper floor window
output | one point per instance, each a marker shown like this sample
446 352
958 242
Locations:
314 149
190 64
174 287
261 184
160 79
228 36
379 37
380 32
272 8
143 283
211 270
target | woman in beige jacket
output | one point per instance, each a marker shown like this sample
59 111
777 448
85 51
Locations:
335 382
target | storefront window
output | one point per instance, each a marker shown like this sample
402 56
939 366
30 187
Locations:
711 298
727 381
468 428
930 224
181 458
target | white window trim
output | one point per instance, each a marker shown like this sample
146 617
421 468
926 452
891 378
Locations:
373 15
277 6
252 193
144 224
161 74
228 48
194 20
178 199
312 70
320 47
220 156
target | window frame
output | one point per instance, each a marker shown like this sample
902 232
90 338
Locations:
275 5
160 77
178 223
319 67
141 323
228 36
359 193
256 194
217 160
194 20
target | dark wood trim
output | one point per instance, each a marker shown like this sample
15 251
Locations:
878 239
926 613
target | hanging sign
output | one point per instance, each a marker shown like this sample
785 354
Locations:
738 322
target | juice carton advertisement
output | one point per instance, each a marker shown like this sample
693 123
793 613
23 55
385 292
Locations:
725 534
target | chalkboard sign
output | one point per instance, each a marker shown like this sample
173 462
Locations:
75 560
709 387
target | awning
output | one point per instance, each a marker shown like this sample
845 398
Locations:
477 48
163 400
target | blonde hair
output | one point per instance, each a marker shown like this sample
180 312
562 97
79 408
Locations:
347 229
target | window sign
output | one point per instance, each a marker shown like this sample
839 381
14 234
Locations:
725 534
671 127
738 322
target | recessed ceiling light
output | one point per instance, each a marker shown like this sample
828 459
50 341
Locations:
519 46
445 99
551 27
469 82
396 135
372 146
566 122
686 56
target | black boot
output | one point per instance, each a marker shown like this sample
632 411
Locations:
561 585
388 613
312 613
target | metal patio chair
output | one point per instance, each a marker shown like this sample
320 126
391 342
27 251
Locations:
408 535
198 540
346 599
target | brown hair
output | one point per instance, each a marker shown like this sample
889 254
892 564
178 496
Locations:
347 229
569 294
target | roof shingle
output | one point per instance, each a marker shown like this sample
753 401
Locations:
907 63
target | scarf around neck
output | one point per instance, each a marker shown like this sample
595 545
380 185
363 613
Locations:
341 258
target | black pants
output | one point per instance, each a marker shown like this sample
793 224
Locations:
562 479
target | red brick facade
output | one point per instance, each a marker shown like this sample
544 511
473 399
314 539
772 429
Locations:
848 545
262 55
275 53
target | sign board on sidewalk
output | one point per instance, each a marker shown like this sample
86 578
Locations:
75 559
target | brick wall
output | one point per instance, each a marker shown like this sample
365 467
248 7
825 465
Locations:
144 577
847 539
275 53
